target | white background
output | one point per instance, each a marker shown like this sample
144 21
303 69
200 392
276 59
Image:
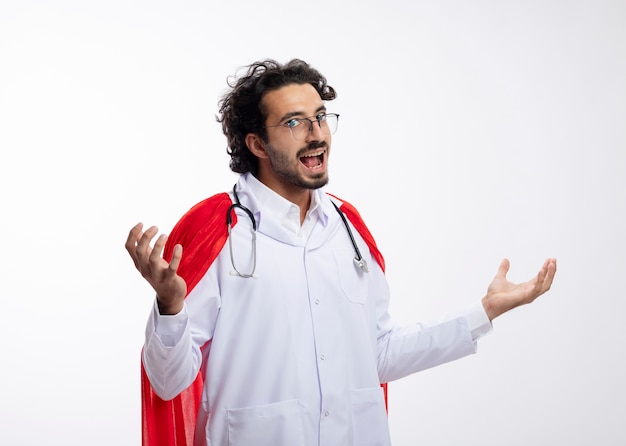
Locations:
496 128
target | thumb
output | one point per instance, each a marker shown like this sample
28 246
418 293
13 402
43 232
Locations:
503 269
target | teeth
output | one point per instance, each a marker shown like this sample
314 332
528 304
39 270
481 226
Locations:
314 154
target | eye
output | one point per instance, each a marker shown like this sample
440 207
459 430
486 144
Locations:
293 123
321 117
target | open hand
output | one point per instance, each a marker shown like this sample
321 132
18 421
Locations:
170 288
503 295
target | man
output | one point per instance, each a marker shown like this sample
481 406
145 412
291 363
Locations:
279 318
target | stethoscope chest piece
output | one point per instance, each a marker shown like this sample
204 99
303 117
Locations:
358 259
361 263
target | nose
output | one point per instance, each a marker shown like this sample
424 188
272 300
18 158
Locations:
316 133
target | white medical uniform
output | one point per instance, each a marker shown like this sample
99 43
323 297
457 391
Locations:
295 355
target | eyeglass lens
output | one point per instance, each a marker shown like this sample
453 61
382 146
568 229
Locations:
328 125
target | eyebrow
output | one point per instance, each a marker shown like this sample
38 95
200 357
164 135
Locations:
300 113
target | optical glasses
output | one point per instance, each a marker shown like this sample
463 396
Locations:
301 128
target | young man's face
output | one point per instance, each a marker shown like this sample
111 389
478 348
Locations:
301 161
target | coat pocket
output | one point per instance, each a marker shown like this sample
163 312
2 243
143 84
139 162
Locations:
267 425
370 425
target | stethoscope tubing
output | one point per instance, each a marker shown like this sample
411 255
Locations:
358 259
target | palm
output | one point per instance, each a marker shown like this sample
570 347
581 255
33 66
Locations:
170 288
165 281
503 295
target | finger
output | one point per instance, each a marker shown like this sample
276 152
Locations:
544 278
547 263
503 269
155 255
550 272
146 238
176 256
133 237
553 264
540 281
131 241
143 249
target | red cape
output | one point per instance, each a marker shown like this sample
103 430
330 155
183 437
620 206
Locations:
202 232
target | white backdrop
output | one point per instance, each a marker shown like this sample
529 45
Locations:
496 127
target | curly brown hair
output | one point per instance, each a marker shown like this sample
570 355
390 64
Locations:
241 111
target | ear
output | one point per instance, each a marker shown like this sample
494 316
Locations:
256 145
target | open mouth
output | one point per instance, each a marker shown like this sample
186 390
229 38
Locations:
314 160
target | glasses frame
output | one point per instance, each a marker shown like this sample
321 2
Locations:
319 118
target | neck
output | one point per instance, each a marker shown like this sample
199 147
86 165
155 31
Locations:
299 196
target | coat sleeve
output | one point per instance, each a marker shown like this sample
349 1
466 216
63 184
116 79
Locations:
406 350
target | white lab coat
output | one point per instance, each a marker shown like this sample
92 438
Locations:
295 355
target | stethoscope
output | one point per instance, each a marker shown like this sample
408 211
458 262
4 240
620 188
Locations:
359 261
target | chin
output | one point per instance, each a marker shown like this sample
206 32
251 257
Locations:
316 183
